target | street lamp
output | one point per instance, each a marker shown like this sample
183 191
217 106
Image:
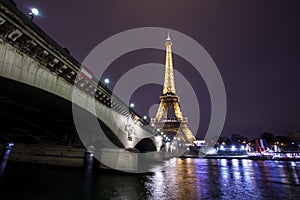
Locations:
144 117
106 81
131 105
34 12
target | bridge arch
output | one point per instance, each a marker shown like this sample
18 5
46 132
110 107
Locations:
145 145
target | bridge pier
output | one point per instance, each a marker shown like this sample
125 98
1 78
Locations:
122 160
118 159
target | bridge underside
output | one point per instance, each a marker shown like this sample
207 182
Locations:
34 116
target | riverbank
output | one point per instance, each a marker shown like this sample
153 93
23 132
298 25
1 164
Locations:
241 157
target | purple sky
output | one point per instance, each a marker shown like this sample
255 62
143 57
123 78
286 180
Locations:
255 44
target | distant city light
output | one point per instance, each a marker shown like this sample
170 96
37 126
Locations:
233 148
222 148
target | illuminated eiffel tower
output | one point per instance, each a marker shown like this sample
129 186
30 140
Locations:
169 102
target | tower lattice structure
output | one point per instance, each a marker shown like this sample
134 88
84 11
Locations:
170 102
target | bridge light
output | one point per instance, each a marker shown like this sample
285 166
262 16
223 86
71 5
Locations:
10 144
34 12
106 81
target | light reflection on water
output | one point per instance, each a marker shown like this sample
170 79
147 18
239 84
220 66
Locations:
178 179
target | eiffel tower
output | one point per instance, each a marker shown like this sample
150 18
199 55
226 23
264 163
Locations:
169 102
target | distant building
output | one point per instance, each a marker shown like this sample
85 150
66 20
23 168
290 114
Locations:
199 143
238 139
295 137
223 140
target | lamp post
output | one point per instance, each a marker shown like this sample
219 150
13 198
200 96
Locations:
106 81
131 105
34 12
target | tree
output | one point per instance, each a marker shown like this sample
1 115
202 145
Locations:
269 137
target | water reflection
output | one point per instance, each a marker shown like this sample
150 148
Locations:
225 179
4 160
177 179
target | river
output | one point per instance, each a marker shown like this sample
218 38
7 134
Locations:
177 179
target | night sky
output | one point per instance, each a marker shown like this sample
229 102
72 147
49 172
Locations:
255 44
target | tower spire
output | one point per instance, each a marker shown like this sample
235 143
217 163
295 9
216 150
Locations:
169 85
168 38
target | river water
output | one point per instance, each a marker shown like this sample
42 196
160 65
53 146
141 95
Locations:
177 179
